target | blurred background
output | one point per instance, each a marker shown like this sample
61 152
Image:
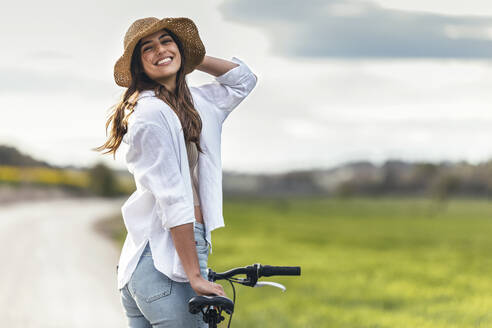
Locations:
362 155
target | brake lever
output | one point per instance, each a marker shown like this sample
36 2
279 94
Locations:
270 283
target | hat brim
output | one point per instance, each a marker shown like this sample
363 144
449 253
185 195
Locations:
185 30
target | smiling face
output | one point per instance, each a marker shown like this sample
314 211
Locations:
160 57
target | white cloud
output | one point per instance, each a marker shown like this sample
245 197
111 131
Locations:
362 29
459 8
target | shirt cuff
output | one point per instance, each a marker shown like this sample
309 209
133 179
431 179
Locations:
235 75
177 214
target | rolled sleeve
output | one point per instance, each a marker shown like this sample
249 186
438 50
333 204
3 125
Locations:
155 166
230 88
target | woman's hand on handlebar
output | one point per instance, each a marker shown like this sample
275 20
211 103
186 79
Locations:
201 286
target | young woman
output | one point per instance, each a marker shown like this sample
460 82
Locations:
173 134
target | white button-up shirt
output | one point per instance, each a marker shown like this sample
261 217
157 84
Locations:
157 158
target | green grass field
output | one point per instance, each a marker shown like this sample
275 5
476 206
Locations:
365 262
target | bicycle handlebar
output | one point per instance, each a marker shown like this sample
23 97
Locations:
255 271
230 273
216 304
268 270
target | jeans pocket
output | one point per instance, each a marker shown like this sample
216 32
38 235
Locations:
150 284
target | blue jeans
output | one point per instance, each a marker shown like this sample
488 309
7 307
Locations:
151 299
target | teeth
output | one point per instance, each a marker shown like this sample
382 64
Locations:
165 60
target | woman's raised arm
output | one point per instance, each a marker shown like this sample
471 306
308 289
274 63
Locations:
230 88
215 66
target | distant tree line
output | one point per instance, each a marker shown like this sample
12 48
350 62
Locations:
394 177
439 181
436 180
104 182
11 156
17 169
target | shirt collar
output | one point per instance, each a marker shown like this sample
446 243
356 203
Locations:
146 93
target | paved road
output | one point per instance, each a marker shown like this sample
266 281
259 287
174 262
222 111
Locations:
55 271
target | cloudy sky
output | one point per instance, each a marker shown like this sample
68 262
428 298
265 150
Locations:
339 80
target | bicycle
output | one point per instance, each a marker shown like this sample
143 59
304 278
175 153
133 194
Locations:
212 306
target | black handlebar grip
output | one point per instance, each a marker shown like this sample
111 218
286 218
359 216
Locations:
268 270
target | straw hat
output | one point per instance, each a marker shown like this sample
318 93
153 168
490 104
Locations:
185 30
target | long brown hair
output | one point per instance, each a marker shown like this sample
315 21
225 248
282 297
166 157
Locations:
180 102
